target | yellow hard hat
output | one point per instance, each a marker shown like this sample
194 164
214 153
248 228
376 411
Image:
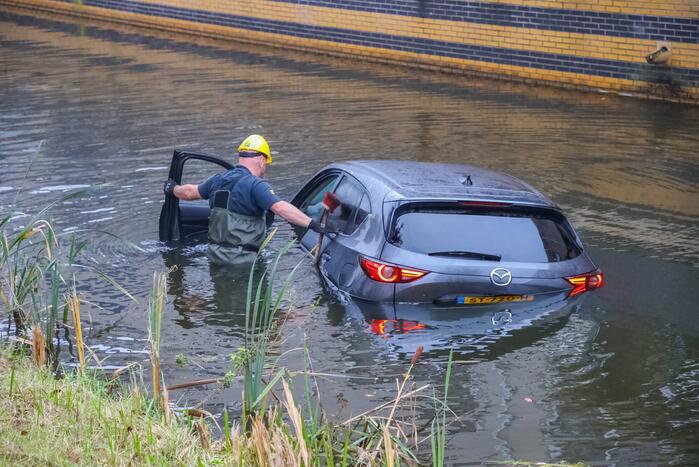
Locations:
258 144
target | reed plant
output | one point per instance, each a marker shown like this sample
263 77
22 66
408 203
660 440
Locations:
369 438
261 307
438 435
74 305
156 302
35 291
31 284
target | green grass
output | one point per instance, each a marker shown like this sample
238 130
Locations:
81 419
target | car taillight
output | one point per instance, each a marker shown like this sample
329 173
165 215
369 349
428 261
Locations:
389 273
584 282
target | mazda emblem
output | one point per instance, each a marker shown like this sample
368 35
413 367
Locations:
501 276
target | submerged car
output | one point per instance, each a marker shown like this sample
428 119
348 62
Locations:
430 237
447 235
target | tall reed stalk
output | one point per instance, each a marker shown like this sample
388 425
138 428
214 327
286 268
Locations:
74 305
156 302
39 347
438 437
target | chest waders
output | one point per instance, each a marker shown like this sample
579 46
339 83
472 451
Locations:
235 238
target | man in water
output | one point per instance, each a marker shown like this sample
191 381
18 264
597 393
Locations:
239 200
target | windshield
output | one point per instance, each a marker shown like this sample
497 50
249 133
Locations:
488 235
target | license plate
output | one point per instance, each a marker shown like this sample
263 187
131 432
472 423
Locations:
466 300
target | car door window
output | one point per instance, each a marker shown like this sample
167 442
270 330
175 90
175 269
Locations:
353 209
357 217
313 204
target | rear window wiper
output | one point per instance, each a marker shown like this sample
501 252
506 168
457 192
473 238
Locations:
467 254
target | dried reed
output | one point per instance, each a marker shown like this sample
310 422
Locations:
39 347
74 305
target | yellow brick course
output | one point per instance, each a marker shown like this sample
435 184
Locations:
566 43
587 45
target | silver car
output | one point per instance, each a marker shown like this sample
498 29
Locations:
447 236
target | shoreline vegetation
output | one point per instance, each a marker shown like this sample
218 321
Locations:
68 411
83 418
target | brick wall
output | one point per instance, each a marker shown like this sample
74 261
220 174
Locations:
582 43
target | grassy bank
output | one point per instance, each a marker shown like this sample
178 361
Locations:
81 419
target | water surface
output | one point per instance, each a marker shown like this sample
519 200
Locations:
615 383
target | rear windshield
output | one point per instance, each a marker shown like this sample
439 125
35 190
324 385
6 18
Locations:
486 234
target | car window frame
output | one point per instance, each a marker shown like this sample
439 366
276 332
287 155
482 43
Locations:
169 222
311 185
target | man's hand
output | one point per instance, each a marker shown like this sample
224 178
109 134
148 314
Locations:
169 187
322 228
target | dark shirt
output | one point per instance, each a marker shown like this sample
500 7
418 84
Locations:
249 195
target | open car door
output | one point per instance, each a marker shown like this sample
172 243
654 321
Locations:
182 219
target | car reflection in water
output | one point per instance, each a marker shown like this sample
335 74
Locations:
385 327
474 331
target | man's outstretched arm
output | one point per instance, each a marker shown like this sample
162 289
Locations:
291 214
186 192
